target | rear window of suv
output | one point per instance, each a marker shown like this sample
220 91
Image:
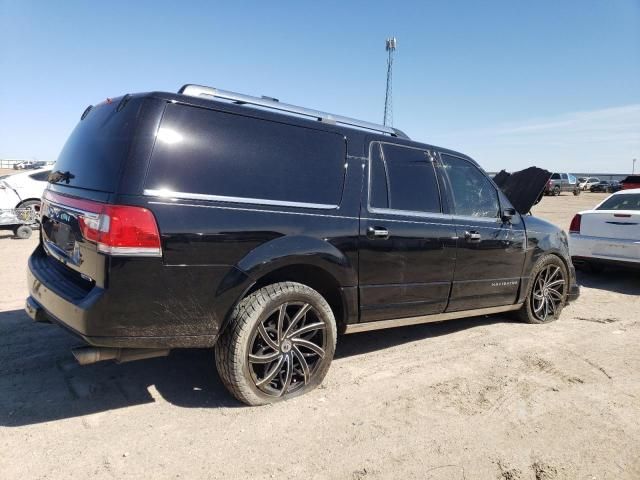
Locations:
621 201
98 145
208 152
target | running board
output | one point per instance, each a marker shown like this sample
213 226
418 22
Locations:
437 317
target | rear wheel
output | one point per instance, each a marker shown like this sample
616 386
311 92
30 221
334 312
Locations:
556 191
279 344
547 291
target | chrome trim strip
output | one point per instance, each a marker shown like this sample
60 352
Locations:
254 210
129 251
222 198
437 317
92 215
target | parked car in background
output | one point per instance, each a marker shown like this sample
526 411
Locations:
587 183
609 234
29 165
614 186
601 186
632 181
606 186
562 182
24 190
211 218
25 165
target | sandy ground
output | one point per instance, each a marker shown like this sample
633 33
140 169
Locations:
477 398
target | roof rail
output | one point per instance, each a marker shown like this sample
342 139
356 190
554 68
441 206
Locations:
273 103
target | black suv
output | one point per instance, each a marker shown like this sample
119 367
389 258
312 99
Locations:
212 218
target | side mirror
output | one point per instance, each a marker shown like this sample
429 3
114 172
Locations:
508 214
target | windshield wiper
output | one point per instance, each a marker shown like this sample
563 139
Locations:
58 176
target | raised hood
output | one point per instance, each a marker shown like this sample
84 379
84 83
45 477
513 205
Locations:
524 188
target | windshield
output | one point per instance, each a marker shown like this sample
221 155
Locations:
624 201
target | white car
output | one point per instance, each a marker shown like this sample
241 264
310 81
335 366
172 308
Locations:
587 183
23 190
609 234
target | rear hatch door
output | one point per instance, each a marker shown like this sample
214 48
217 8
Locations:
85 175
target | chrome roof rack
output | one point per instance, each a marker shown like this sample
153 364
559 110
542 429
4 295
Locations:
275 104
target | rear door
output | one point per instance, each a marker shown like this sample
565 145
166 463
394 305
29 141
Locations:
490 252
407 245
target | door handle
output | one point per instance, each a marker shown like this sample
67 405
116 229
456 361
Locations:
377 233
472 236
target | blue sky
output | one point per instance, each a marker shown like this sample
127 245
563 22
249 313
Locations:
511 83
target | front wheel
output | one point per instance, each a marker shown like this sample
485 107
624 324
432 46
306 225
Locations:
547 291
279 344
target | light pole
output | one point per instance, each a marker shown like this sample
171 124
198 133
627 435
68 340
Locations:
633 169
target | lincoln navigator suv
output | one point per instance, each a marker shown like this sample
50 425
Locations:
209 218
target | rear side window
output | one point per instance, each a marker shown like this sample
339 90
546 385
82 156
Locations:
473 194
209 152
403 178
555 176
622 201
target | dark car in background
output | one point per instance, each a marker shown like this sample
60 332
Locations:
605 186
601 186
209 218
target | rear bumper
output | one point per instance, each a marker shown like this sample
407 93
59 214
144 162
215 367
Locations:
132 315
585 247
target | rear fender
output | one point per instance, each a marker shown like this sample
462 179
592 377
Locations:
299 250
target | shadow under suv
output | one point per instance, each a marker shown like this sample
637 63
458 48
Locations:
209 218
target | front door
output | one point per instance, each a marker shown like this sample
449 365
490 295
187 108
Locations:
407 243
490 251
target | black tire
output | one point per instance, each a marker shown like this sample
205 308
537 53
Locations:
576 191
528 313
244 337
23 232
556 191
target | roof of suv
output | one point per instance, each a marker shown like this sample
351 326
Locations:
275 115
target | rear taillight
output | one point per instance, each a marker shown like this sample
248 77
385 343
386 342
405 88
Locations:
575 223
115 229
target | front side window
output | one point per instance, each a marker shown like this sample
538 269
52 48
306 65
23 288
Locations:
403 178
473 193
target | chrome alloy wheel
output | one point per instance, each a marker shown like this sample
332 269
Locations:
287 348
548 293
